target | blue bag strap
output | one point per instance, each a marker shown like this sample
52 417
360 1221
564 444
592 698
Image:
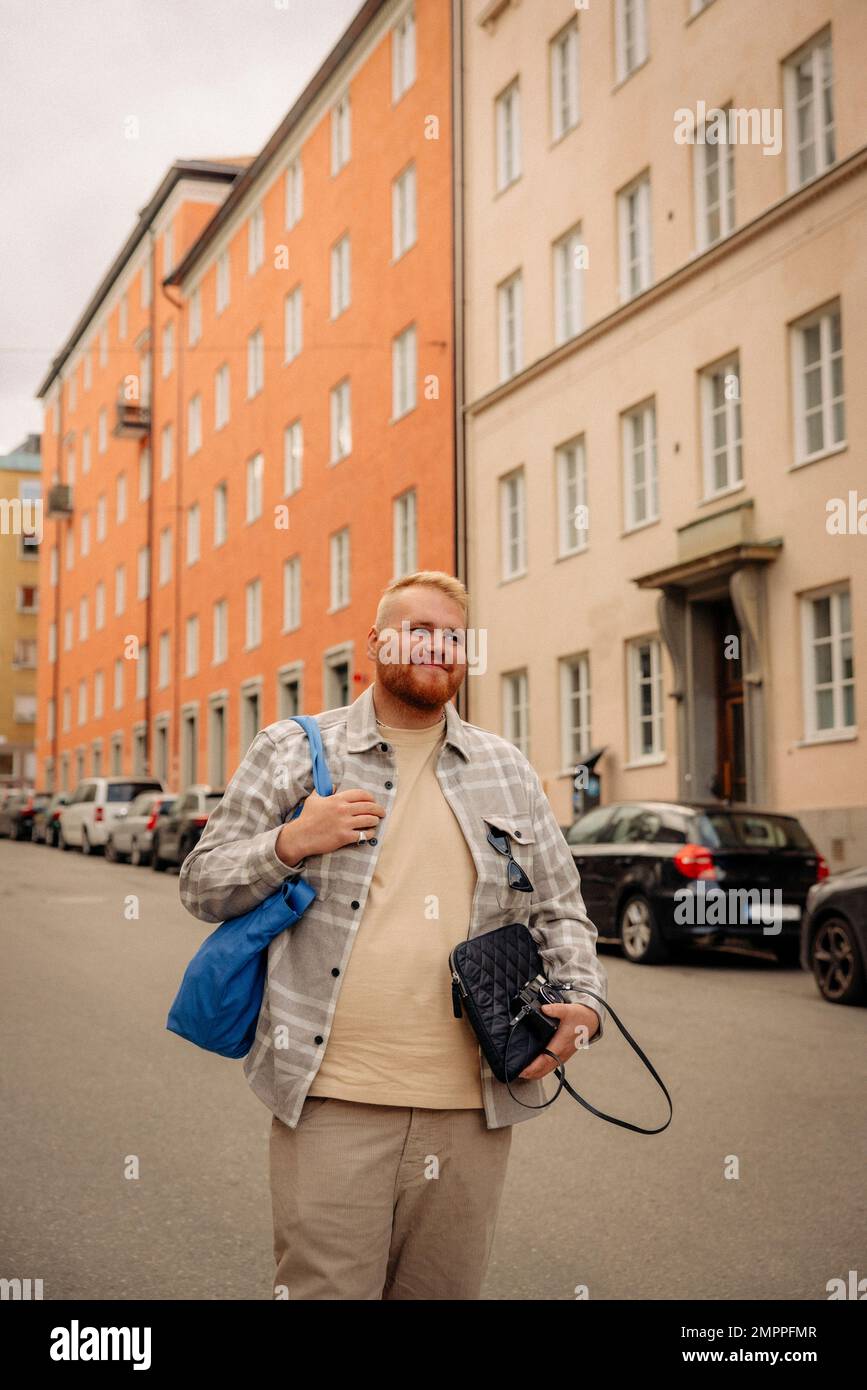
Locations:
321 776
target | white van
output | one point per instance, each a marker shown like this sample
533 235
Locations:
96 804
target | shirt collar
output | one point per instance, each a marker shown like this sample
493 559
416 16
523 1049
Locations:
361 730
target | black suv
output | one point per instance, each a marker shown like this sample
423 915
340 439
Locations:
657 872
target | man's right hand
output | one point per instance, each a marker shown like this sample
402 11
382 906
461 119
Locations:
327 823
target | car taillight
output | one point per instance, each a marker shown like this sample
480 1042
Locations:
822 870
152 820
98 813
695 861
199 820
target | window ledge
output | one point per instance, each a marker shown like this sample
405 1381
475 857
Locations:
817 458
833 736
723 492
642 526
654 760
570 554
510 578
622 81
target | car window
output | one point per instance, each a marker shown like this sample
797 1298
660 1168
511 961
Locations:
634 825
167 805
749 830
128 791
672 831
586 830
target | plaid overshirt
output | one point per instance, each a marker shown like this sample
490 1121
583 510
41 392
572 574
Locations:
485 779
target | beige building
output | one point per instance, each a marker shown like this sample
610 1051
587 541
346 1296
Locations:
664 447
20 536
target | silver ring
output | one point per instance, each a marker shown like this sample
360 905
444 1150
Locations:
361 837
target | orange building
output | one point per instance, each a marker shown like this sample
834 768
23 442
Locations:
251 429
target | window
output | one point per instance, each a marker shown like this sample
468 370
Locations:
721 427
101 516
253 614
70 548
146 284
120 498
572 518
168 250
292 324
223 283
829 672
144 474
67 711
575 709
640 482
83 618
715 182
99 606
221 514
24 653
339 569
255 478
340 134
102 431
405 538
513 525
564 81
145 378
193 516
84 542
404 230
85 452
820 415
403 373
508 117
98 694
194 322
340 277
569 261
809 93
52 642
255 363
103 345
54 566
189 747
191 646
403 55
166 452
144 572
70 466
118 683
516 710
222 388
341 422
165 553
122 318
510 297
292 593
73 388
256 240
24 709
141 672
194 425
646 739
251 712
293 454
67 630
88 369
636 271
119 590
294 193
117 755
221 631
163 660
168 349
631 36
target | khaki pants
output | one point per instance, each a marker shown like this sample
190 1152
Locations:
384 1201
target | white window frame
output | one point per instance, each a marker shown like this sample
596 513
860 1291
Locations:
339 569
294 193
293 457
255 363
256 240
405 533
194 529
293 324
839 636
341 420
403 55
194 424
822 317
255 487
222 396
512 488
723 153
291 594
642 262
510 317
812 54
341 133
168 348
635 680
223 283
191 645
570 463
629 62
167 450
564 71
568 286
507 119
575 710
404 212
630 453
221 514
252 614
515 695
220 632
732 415
341 276
404 372
165 556
194 322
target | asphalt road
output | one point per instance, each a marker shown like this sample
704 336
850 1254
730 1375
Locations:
758 1066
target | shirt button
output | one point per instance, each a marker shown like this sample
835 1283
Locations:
389 785
384 747
355 903
318 1038
335 971
517 834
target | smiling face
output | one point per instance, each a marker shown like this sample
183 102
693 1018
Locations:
420 650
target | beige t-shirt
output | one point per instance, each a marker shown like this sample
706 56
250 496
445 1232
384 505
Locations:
395 1039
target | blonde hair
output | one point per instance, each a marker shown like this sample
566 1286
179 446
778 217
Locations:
434 579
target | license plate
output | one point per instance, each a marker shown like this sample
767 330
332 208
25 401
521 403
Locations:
788 912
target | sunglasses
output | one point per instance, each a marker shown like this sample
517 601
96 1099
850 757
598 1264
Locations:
517 878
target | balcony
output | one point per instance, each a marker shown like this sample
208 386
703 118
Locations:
59 501
132 421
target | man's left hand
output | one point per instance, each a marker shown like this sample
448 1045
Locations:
578 1023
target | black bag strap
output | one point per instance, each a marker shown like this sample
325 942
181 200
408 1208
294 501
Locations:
560 1070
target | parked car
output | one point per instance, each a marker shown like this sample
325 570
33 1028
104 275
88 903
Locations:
7 794
17 812
655 872
131 835
46 820
96 805
182 828
834 937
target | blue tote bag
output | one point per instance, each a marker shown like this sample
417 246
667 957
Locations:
217 1006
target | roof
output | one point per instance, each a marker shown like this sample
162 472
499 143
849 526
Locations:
341 49
203 169
21 461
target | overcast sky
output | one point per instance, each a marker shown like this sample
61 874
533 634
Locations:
203 77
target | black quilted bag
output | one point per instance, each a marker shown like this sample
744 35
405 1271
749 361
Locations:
488 972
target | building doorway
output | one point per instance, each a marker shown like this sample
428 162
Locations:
730 777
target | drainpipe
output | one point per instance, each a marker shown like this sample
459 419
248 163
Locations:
58 645
458 267
173 772
148 743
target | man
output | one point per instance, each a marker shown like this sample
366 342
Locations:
390 1135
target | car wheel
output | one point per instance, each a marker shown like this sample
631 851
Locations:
62 842
136 857
156 863
86 846
837 966
639 933
787 952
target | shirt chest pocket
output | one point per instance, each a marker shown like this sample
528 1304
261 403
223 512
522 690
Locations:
508 857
